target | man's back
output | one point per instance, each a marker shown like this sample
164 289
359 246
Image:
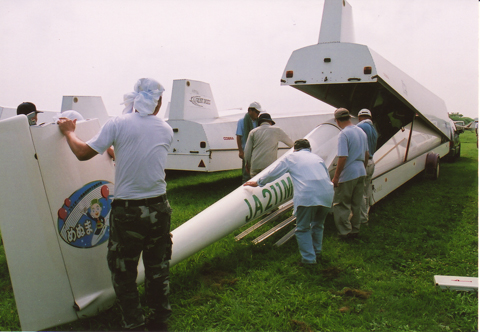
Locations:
311 179
141 148
262 145
352 143
372 135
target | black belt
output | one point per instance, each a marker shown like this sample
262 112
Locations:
140 202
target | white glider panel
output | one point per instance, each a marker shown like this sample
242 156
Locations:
55 237
82 236
37 271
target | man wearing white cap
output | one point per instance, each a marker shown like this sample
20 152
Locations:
244 126
349 175
140 216
366 124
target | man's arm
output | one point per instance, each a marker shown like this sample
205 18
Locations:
111 152
239 145
271 175
247 153
286 139
79 148
340 166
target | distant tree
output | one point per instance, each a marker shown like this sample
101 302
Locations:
456 116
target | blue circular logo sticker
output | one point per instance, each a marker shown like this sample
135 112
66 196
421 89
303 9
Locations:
83 218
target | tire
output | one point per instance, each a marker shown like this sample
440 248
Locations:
432 166
437 169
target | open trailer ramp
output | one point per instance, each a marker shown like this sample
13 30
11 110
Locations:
344 74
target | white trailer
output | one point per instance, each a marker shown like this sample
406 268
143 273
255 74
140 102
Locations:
412 122
205 141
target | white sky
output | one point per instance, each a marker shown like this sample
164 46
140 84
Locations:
51 48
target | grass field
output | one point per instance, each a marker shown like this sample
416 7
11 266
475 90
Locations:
382 281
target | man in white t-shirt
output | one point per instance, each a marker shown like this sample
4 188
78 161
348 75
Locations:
349 175
140 216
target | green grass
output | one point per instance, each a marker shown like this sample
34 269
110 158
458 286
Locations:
380 282
8 311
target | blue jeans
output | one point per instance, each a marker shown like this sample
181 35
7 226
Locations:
309 231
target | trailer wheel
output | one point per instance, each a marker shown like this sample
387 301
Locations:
457 155
432 165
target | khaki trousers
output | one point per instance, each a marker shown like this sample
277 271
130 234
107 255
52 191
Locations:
348 199
367 192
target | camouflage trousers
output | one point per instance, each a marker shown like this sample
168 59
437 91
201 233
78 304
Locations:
133 230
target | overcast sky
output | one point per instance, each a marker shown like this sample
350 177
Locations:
51 48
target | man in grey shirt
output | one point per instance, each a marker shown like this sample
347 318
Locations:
262 144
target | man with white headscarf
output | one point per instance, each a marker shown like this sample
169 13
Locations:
140 216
